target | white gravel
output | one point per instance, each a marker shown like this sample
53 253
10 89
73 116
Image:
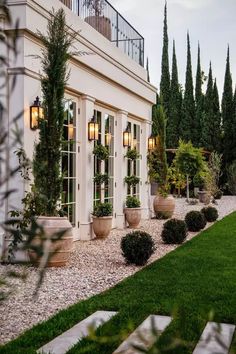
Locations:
94 266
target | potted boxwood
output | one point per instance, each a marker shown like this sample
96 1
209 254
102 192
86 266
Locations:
102 219
47 188
96 18
164 203
133 212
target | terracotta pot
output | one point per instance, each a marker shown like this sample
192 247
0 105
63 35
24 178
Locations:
101 24
164 207
60 250
133 217
102 226
204 197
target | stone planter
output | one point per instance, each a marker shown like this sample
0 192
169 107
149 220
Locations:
195 192
101 24
133 217
102 226
59 251
164 207
204 197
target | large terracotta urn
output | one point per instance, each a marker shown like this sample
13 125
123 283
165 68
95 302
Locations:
102 226
59 250
164 206
133 217
101 24
204 197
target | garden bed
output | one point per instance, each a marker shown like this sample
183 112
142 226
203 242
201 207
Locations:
94 267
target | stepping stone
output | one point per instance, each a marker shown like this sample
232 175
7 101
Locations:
64 342
145 330
215 339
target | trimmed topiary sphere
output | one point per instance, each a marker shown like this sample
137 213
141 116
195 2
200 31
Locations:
174 231
195 221
137 247
210 213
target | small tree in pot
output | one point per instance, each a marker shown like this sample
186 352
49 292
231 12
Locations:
102 213
47 187
133 212
163 204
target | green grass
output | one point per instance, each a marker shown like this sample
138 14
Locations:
198 277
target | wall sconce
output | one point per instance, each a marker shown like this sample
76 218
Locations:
70 132
151 143
36 113
127 137
108 139
93 129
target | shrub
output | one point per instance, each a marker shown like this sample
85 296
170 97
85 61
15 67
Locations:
99 178
102 209
132 202
101 152
210 213
137 247
218 194
132 180
195 221
174 231
132 154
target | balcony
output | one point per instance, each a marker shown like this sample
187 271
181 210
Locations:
103 17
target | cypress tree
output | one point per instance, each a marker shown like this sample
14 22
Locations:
217 136
227 115
172 137
187 123
165 72
199 99
208 116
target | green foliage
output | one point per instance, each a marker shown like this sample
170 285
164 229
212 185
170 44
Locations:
189 160
132 202
100 178
199 180
215 171
188 130
199 99
132 154
210 213
165 71
174 231
132 180
101 152
195 221
231 177
137 247
218 194
102 209
176 178
47 156
175 106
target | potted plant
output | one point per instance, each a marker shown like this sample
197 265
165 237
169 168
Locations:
102 213
47 188
198 182
164 203
102 219
96 17
133 212
206 186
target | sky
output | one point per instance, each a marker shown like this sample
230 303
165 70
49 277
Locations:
211 22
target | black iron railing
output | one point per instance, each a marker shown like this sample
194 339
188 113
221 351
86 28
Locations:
102 16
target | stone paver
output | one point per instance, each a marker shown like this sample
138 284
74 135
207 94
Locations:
144 331
215 339
62 343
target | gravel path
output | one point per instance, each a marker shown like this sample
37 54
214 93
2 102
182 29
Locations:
94 266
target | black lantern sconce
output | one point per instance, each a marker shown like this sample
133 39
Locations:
151 143
36 113
93 130
127 137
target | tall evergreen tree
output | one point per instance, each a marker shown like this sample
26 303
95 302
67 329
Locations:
217 136
187 123
175 105
165 71
208 116
227 115
147 69
199 99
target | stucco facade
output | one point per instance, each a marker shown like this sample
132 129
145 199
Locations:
103 81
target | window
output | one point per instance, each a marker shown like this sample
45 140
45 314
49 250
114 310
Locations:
105 192
133 167
68 200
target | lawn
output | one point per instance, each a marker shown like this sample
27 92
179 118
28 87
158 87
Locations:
197 278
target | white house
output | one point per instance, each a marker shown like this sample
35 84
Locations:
110 83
